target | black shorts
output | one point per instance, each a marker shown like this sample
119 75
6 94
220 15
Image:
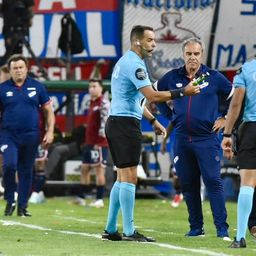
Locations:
124 139
246 154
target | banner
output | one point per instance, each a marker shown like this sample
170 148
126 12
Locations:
235 36
174 22
98 21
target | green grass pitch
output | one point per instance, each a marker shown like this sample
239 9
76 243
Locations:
60 228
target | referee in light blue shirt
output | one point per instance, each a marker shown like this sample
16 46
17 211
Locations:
245 90
130 88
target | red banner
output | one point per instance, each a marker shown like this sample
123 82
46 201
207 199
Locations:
53 6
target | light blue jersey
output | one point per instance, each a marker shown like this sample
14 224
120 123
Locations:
129 75
247 79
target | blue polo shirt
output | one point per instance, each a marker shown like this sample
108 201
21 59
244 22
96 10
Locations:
20 105
247 80
129 75
194 116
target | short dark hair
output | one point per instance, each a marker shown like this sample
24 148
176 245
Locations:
96 80
137 32
16 57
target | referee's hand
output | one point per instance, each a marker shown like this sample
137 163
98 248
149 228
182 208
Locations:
159 129
227 148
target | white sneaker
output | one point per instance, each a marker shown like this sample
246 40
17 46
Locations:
97 203
177 200
37 198
79 201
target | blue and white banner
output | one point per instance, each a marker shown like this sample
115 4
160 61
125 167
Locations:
174 22
235 37
98 21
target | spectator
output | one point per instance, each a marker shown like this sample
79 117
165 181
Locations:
60 152
17 18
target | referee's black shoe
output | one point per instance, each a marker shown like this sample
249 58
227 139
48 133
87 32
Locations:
137 237
116 236
9 209
23 212
238 244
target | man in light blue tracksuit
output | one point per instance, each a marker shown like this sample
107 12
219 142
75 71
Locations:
197 147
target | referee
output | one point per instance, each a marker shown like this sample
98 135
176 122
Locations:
130 88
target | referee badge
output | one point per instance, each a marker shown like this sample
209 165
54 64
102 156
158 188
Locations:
140 74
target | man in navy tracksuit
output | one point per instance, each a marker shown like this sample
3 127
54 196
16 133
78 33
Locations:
197 147
21 97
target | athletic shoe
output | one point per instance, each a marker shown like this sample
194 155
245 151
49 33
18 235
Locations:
9 209
222 232
37 197
177 200
111 236
137 237
79 201
196 232
23 212
253 231
238 244
97 203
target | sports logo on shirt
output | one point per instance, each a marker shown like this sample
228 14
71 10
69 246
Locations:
9 94
3 147
31 94
140 74
179 85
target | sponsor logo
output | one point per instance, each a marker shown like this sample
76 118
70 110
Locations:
179 85
9 94
3 147
31 94
176 159
140 74
31 88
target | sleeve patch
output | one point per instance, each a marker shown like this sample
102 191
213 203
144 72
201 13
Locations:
140 74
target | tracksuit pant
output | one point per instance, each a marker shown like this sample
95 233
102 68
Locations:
194 160
19 152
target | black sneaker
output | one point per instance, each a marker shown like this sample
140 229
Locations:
23 212
111 236
9 209
238 244
138 237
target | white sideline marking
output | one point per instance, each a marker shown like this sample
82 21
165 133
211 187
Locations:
77 219
168 246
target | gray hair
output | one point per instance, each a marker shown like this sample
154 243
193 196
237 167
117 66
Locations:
193 40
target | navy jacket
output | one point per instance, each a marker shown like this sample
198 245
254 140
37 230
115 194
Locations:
194 116
20 105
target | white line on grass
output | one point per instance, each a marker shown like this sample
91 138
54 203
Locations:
77 219
168 246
